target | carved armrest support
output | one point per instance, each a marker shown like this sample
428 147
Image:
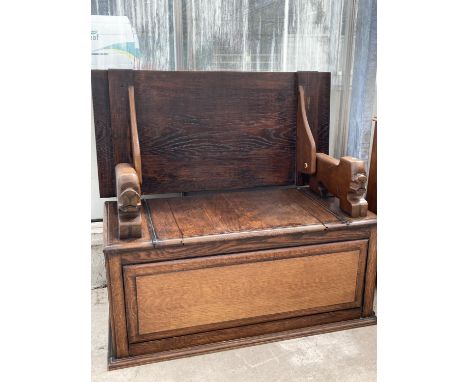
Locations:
305 143
345 178
128 201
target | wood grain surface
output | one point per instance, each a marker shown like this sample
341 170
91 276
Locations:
134 360
332 205
345 178
227 212
138 258
103 133
128 201
244 331
112 228
175 298
205 130
316 87
211 131
119 81
371 275
235 221
117 302
202 246
134 133
230 268
306 149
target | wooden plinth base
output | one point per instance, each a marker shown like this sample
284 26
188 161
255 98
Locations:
114 363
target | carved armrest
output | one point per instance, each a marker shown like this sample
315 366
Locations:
345 178
128 201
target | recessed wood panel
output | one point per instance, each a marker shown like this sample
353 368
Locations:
205 296
175 298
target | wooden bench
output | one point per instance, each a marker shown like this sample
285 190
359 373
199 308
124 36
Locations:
265 237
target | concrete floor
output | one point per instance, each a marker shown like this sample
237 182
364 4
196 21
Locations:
341 356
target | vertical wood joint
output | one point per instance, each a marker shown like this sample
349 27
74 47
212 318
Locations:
371 275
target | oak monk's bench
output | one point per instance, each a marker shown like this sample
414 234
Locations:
260 236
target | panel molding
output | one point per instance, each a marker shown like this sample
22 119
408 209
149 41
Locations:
323 254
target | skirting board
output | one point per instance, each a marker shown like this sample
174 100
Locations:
114 363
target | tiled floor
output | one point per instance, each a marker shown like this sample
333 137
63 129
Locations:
341 356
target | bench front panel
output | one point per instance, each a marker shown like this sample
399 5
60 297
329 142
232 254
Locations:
191 296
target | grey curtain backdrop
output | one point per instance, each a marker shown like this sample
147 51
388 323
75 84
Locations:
363 89
267 35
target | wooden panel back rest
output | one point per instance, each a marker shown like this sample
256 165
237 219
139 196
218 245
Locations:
206 130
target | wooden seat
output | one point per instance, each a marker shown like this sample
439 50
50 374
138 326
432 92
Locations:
229 215
270 237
